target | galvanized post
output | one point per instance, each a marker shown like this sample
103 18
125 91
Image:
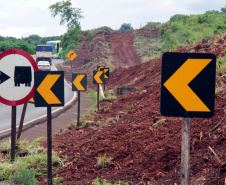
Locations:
185 152
13 133
49 142
21 121
78 116
98 92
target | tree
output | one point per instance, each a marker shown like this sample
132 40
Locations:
223 9
125 28
67 13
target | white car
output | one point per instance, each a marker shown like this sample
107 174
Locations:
44 66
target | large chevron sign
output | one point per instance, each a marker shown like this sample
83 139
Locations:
188 84
49 89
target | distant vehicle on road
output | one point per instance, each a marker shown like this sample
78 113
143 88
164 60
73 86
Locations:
22 75
44 53
57 50
44 66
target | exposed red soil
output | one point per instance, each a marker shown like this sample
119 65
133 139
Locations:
125 130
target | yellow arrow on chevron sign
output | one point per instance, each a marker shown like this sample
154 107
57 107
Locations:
44 89
105 71
77 82
97 77
177 85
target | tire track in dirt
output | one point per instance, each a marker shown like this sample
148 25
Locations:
122 49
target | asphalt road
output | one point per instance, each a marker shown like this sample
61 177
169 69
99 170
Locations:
32 112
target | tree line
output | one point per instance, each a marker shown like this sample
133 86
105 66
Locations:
27 44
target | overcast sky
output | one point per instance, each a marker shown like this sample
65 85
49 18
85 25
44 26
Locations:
21 18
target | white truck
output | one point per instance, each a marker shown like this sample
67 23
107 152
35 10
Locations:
44 53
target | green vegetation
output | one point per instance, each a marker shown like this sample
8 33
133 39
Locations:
180 30
30 161
223 9
93 96
97 181
37 40
24 176
6 45
83 121
160 122
152 24
27 44
129 106
103 161
67 13
125 27
221 66
70 40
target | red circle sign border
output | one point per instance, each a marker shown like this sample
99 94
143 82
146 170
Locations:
35 67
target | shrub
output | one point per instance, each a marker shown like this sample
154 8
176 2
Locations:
174 28
125 28
205 18
97 181
90 35
152 24
103 161
5 45
24 176
163 31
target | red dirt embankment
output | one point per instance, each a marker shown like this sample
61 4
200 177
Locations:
145 146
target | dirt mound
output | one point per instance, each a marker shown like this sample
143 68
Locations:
145 146
216 47
109 48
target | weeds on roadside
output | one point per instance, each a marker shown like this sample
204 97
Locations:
32 147
221 66
103 161
24 169
97 181
160 122
25 176
57 180
129 106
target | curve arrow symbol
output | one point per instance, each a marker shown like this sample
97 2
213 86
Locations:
177 85
44 89
97 77
3 77
71 54
77 82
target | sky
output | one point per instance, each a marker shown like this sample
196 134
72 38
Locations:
22 18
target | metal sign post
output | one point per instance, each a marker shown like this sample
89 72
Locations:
13 133
98 78
49 142
78 115
79 83
98 97
185 151
106 76
21 121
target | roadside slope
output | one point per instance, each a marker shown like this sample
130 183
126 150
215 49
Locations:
145 146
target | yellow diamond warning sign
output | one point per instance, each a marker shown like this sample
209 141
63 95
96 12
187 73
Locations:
71 55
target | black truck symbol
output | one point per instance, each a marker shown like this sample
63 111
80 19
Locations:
22 75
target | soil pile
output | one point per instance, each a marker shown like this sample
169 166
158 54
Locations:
141 145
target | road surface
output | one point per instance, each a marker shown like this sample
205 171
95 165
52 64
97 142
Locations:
32 112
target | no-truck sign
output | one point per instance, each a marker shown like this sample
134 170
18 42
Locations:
16 77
